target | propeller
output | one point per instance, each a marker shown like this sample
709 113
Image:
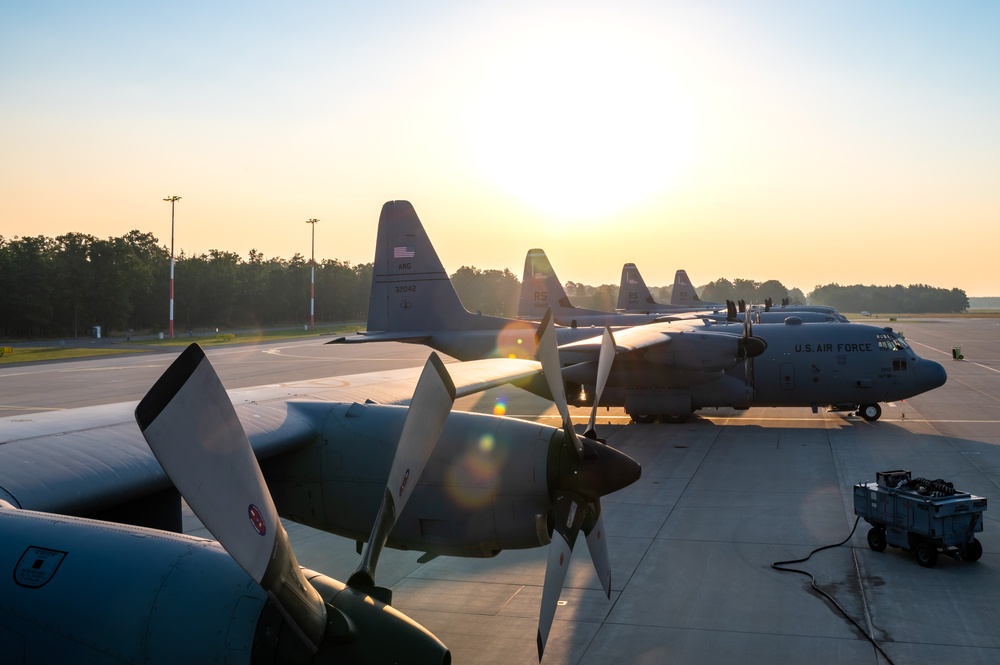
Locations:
432 401
604 362
193 430
580 473
750 347
547 350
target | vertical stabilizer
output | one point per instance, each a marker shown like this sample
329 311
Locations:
413 299
633 294
540 288
684 293
410 289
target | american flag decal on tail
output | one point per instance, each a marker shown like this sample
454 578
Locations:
402 253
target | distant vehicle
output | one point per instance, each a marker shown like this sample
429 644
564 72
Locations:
866 313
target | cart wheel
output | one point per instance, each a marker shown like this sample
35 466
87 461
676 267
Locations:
643 418
876 538
973 551
927 555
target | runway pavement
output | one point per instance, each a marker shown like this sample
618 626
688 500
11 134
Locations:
691 543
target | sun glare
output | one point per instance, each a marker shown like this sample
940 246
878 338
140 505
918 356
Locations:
580 123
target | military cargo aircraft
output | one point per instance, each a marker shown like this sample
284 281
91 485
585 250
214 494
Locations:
787 308
635 296
89 513
541 291
662 370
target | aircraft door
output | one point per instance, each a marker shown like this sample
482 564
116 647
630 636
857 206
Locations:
787 376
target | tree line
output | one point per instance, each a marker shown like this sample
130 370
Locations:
64 286
912 299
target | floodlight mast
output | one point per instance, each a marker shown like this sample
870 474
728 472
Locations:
173 200
312 283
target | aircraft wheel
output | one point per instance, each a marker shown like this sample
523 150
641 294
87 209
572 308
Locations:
642 418
974 551
927 555
876 539
870 412
674 419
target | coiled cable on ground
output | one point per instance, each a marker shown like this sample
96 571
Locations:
783 566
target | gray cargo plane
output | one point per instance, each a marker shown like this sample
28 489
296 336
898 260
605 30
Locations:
662 370
635 296
541 291
89 513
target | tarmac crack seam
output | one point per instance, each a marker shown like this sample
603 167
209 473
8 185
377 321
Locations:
864 601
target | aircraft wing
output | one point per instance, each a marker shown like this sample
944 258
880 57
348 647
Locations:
88 460
699 346
632 339
363 336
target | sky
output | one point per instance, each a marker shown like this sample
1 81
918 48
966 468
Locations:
850 142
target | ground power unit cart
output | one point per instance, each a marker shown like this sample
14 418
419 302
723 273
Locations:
923 516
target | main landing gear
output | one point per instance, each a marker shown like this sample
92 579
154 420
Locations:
870 412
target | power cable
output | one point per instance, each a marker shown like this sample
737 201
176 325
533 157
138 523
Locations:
782 566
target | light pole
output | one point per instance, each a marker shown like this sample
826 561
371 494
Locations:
173 200
312 284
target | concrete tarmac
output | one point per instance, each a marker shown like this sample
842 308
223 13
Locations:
691 543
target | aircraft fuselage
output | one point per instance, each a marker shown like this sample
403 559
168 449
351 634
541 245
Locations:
839 364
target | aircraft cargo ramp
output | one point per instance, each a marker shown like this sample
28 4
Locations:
920 515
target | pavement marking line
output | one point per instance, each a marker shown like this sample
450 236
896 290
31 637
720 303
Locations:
9 407
948 353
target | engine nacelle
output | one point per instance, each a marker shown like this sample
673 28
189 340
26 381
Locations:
697 351
77 590
484 488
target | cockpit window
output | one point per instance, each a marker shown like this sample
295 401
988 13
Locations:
890 341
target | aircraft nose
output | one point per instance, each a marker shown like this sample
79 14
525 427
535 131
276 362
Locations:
930 374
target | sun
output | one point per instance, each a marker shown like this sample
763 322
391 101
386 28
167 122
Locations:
581 123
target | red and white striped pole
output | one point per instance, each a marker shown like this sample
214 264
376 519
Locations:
312 284
173 200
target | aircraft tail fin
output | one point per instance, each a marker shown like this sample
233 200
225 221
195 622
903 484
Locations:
684 293
411 291
633 294
540 288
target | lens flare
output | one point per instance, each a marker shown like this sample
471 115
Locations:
471 478
516 340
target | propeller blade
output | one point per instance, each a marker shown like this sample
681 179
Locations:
547 350
432 400
568 520
604 362
192 428
597 543
577 485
